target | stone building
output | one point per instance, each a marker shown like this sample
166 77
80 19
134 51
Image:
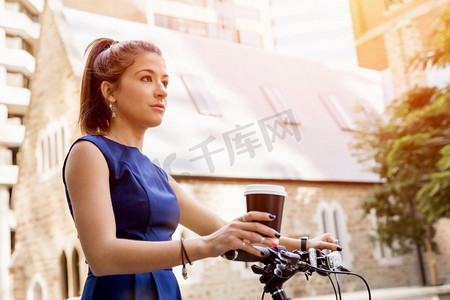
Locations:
19 32
236 115
388 36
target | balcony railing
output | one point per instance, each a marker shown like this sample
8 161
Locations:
8 174
252 4
11 135
17 23
36 6
16 99
17 60
185 11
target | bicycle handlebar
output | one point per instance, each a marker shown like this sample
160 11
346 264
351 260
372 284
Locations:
280 265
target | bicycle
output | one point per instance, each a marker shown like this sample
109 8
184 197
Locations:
280 265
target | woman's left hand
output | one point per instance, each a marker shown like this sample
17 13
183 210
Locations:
242 233
324 241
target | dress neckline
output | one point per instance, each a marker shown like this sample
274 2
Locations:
120 144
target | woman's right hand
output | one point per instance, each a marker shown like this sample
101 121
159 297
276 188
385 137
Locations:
241 233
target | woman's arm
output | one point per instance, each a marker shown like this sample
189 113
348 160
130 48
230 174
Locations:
87 179
220 234
194 215
204 222
323 241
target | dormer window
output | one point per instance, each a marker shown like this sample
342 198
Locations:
200 95
278 103
338 112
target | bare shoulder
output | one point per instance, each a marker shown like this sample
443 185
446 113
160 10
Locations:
83 147
85 157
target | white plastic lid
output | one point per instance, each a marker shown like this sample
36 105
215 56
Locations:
265 189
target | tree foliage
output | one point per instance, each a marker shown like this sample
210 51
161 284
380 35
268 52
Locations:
409 147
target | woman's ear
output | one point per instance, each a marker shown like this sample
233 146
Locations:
107 91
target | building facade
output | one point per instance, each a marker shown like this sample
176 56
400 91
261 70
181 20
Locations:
42 270
318 30
19 33
307 154
389 34
245 22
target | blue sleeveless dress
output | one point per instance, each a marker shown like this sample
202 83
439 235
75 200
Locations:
145 208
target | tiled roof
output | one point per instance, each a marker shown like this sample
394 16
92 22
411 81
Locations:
242 142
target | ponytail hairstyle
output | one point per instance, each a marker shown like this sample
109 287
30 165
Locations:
107 60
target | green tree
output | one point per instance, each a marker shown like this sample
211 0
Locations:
410 147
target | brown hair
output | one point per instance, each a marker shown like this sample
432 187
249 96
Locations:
107 61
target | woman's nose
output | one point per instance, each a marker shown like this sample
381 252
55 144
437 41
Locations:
161 91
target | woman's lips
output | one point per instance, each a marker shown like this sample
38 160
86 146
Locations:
160 107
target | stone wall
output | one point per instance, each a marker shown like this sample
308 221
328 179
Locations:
403 43
44 227
234 280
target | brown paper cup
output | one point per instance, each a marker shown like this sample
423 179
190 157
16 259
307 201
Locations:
268 198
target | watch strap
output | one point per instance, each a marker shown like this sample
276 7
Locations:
303 243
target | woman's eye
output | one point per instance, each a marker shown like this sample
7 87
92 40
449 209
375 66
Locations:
165 83
147 79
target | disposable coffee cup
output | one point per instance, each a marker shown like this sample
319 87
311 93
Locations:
267 198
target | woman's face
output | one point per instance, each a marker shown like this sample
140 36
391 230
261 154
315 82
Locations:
141 96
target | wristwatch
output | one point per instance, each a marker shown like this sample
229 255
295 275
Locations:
303 240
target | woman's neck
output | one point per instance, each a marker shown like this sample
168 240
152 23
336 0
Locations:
126 137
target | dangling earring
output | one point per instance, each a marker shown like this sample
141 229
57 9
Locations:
113 109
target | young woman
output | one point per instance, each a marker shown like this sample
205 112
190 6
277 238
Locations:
125 208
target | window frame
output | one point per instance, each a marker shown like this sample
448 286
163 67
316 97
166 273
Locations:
278 102
331 214
200 95
337 111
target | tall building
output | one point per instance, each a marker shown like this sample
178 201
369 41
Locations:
318 30
133 10
246 22
390 33
382 35
19 31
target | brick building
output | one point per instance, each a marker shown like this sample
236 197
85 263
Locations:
296 114
390 33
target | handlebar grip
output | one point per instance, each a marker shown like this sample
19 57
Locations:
241 255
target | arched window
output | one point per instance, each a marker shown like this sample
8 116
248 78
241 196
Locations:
384 255
46 151
52 145
36 289
51 152
37 292
56 147
331 218
64 278
76 273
